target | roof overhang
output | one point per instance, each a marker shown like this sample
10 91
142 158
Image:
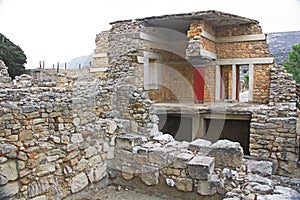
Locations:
181 22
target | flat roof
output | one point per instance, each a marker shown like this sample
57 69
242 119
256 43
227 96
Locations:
181 22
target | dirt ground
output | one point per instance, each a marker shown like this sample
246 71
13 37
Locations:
115 193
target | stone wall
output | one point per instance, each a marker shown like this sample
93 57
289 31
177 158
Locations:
273 128
261 91
53 142
4 76
209 88
195 34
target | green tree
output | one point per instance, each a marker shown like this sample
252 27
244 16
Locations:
293 63
13 57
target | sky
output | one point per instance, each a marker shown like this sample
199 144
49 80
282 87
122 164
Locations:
60 30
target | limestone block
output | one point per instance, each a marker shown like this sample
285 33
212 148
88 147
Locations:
184 184
112 126
201 146
90 151
128 141
79 182
150 178
8 170
181 160
264 168
210 187
9 190
45 169
77 138
201 167
100 172
7 148
38 187
160 155
227 154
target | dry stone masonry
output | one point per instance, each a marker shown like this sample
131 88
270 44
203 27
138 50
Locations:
64 133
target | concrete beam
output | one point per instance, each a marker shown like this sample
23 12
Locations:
100 55
245 61
241 38
98 69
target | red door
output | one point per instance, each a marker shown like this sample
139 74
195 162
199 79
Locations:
199 74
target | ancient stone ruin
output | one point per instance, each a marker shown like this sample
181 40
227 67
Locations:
192 106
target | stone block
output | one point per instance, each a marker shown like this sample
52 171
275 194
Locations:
128 141
201 167
150 177
78 182
9 170
160 155
227 154
201 146
9 190
264 168
184 184
210 187
7 148
181 160
123 155
100 172
46 169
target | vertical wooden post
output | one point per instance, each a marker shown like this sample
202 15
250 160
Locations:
43 64
53 67
65 65
57 67
40 62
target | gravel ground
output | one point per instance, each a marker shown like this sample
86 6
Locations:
114 193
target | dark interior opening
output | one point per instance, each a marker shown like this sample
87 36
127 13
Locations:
233 130
176 125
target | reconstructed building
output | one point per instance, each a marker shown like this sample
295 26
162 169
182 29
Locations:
208 75
204 78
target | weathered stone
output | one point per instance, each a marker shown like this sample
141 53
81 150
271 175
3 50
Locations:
128 141
184 184
9 170
9 190
259 188
201 167
82 164
210 187
25 135
150 178
112 127
165 138
259 179
201 146
76 121
79 182
263 168
90 151
38 187
3 180
160 155
45 169
100 172
227 153
77 138
181 160
7 148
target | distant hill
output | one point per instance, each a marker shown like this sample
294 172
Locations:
83 61
280 44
